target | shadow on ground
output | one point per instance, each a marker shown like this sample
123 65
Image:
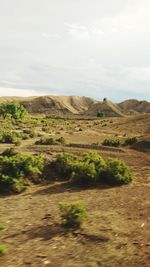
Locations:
60 187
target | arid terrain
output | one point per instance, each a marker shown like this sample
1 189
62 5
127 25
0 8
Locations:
116 232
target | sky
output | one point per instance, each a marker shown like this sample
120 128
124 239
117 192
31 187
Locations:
95 48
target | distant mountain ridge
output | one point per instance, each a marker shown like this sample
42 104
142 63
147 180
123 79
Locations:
135 105
60 105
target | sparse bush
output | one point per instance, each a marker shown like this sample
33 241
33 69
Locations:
45 129
10 138
91 169
3 250
84 173
17 186
111 142
73 214
64 164
100 114
116 172
9 152
97 160
130 141
14 169
95 144
29 132
50 141
61 140
17 142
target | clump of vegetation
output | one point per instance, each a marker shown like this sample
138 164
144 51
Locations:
73 214
116 172
3 250
88 170
64 164
14 137
100 114
61 140
10 138
111 142
51 141
91 169
9 152
29 132
13 110
14 170
130 141
84 173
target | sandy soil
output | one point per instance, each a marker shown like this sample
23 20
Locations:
117 230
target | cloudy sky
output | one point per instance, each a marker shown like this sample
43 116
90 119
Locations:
97 48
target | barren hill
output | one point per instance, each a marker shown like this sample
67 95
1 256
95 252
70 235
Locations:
58 104
109 108
132 105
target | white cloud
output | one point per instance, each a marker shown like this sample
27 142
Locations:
96 31
115 30
19 92
77 31
81 32
51 35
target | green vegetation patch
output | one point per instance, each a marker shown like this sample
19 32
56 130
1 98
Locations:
73 214
111 142
130 141
14 169
3 249
91 169
51 141
13 110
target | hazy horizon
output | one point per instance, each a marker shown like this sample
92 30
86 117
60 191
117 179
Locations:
94 48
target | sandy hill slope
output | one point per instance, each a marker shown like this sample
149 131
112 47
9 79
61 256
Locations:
15 98
58 104
109 108
132 105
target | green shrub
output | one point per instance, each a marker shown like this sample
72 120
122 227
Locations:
15 169
84 173
111 142
100 114
10 138
88 169
3 250
61 140
17 142
50 141
64 164
130 141
46 141
9 152
73 214
91 169
17 186
14 111
29 132
96 159
116 172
